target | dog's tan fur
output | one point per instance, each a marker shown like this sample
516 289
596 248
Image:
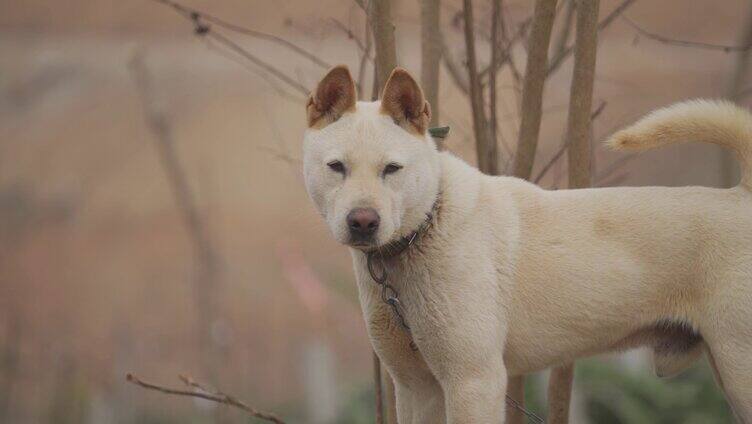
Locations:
512 278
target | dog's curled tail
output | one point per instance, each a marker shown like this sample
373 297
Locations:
711 121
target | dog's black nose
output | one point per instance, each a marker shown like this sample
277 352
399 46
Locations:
363 222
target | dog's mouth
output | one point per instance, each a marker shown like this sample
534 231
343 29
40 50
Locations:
362 245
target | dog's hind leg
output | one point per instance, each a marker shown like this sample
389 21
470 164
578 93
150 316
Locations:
731 363
728 334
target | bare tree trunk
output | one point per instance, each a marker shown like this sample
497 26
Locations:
560 394
430 49
581 94
729 166
378 389
206 260
379 15
383 37
493 123
485 147
579 154
532 91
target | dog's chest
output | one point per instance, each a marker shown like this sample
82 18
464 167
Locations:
391 340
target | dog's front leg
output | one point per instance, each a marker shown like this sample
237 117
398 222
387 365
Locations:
421 402
462 342
476 395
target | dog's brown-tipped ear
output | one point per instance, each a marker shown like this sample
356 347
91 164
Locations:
334 95
403 100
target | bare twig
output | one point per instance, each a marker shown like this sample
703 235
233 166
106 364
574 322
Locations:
504 55
532 92
198 391
350 34
684 43
257 61
459 76
194 14
202 28
364 47
603 177
560 43
557 60
273 83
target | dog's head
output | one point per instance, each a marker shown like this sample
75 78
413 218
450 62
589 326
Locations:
370 167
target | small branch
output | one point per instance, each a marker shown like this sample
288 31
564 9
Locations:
560 44
684 43
459 77
363 46
194 14
557 60
350 34
505 54
257 61
198 391
202 28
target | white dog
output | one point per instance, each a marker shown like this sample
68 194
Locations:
496 277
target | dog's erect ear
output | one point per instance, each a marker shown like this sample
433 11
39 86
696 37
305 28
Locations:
403 100
334 96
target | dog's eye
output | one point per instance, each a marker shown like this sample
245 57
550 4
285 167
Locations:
336 166
392 168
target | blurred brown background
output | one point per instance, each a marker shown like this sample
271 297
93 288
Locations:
98 272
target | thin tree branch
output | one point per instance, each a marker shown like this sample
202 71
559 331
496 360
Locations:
562 39
459 76
258 62
194 14
350 34
557 60
201 28
198 391
505 55
684 43
532 92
